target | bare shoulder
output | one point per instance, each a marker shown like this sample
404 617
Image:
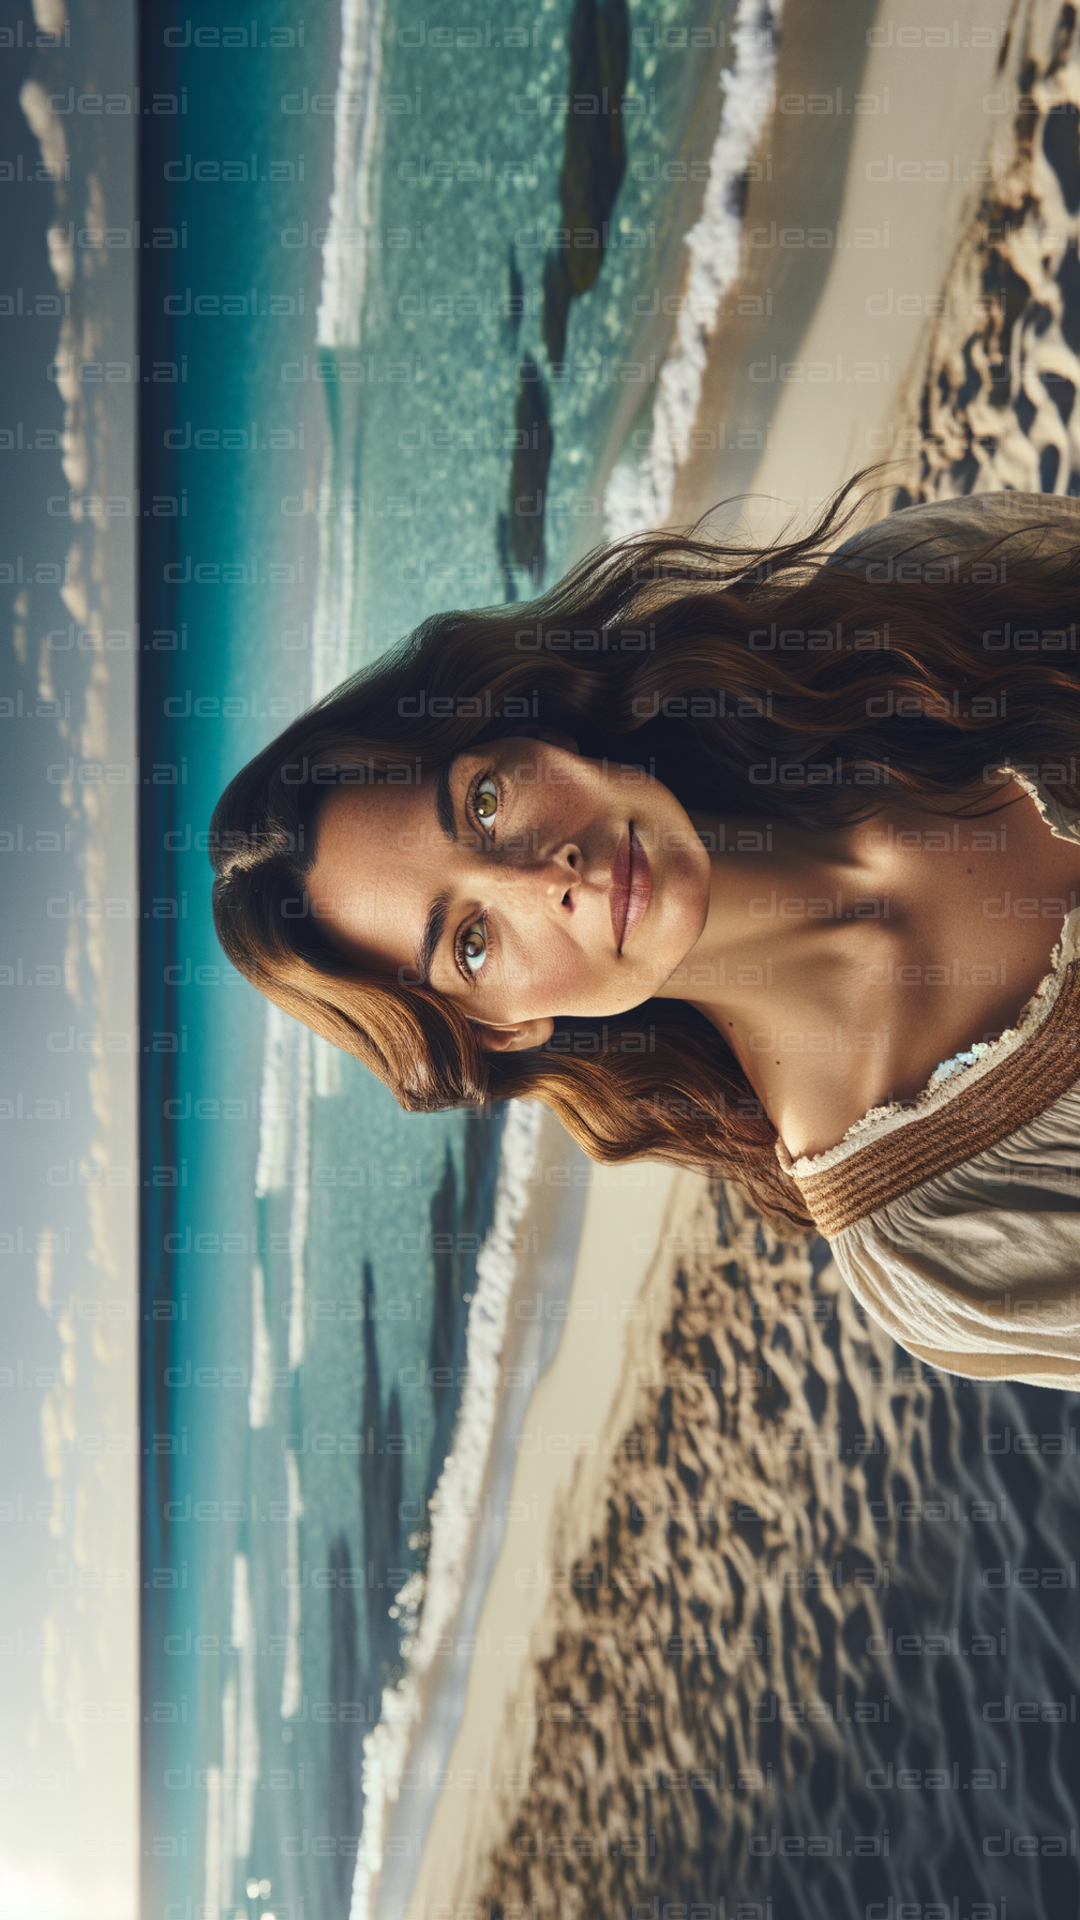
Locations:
981 898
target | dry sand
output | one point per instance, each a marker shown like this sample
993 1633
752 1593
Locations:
988 402
714 1600
796 400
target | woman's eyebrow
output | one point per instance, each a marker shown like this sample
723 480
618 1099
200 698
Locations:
433 933
435 924
444 800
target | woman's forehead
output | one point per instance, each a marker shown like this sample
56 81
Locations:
379 820
376 855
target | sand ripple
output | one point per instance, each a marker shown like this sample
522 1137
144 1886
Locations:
793 1652
996 402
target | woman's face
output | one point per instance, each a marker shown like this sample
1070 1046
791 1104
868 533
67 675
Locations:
522 882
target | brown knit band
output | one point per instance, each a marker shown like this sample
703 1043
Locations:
988 1110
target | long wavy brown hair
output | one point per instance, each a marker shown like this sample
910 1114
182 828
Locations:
749 681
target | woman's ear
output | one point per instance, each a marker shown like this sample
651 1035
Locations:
515 1039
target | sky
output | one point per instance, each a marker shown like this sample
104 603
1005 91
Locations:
68 1565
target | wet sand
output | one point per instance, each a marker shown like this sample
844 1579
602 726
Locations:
562 1362
854 234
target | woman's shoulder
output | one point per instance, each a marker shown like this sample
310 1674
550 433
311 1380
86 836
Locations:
975 1270
1043 523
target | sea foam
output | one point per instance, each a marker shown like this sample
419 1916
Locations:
275 1102
247 1731
290 1679
639 495
355 120
454 1502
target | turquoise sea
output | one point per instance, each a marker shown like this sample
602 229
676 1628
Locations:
342 326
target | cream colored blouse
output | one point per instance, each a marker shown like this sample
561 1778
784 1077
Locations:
955 1219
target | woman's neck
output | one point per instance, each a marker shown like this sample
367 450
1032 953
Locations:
813 938
806 939
784 903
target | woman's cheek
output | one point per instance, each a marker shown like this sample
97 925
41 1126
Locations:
566 984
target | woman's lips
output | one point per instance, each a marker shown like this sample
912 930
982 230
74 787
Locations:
631 887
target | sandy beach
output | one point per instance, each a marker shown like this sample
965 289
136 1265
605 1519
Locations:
690 1641
556 1462
705 1613
988 401
849 242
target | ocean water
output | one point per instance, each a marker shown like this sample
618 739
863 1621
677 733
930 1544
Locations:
344 227
433 321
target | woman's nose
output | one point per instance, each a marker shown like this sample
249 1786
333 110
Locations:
533 874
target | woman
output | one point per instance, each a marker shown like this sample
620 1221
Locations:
762 863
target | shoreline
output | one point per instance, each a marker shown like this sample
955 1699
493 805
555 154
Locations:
557 1453
835 325
546 1245
653 334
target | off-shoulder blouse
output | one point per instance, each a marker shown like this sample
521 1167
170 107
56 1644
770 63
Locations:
955 1219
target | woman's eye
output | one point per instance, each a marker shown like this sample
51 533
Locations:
486 798
474 946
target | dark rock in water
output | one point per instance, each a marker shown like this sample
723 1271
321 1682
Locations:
533 443
502 548
594 161
558 293
444 1222
380 1488
515 300
345 1795
594 157
394 1485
